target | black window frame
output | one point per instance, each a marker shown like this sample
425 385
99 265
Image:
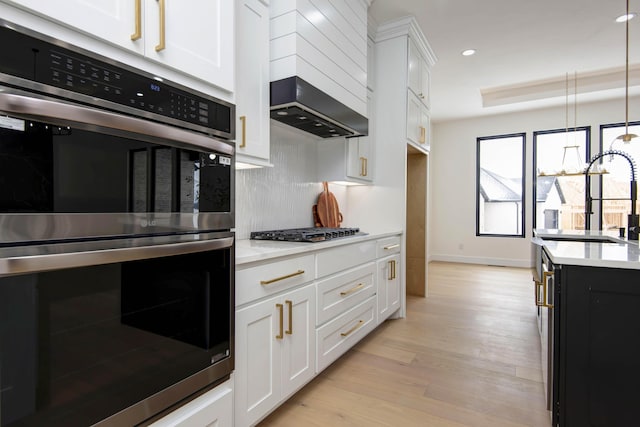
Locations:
534 175
523 136
600 178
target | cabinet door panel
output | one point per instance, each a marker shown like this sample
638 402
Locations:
388 286
413 118
113 21
258 355
198 39
414 65
252 87
298 359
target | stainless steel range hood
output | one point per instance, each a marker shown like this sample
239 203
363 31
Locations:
297 103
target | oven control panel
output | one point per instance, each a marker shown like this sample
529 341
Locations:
57 64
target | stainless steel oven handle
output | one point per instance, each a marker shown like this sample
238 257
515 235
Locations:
46 262
59 112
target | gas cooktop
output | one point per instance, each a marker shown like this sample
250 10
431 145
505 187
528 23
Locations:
311 234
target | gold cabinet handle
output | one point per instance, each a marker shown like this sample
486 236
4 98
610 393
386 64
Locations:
352 290
363 166
352 330
423 134
161 44
545 276
289 303
392 269
277 279
280 309
243 119
397 245
138 29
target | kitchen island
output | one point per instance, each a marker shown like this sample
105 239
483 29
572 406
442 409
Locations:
591 287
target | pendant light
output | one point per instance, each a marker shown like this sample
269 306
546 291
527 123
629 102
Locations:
627 137
572 163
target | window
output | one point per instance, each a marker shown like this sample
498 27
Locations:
615 186
500 185
558 182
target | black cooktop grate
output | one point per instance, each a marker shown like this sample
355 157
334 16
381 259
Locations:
311 234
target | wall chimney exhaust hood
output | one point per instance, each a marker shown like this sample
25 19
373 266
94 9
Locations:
297 103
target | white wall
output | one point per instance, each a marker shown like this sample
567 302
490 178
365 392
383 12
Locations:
282 196
453 175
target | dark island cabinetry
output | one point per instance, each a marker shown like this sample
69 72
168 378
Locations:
596 346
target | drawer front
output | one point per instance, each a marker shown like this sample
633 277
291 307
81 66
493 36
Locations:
343 257
212 408
344 291
339 335
258 281
388 246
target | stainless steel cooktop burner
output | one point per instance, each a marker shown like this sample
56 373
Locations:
311 234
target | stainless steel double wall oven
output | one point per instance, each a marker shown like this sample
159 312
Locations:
116 242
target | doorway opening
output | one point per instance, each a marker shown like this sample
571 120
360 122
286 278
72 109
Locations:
416 231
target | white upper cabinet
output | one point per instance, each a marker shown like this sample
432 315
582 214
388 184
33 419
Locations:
347 161
114 21
196 40
418 80
252 82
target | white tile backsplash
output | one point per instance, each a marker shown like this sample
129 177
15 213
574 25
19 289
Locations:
282 196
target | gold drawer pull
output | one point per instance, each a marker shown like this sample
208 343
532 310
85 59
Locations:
277 279
386 248
138 32
280 309
290 307
350 331
352 290
423 134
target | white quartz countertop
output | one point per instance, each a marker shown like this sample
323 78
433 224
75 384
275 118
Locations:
565 249
259 250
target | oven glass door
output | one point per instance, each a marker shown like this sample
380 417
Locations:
81 344
49 168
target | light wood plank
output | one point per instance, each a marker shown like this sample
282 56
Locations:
468 355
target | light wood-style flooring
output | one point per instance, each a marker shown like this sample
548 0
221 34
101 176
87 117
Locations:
468 355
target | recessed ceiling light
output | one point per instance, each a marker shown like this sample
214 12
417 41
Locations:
468 52
625 18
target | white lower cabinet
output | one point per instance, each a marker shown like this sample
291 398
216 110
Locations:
275 352
389 284
214 408
297 314
340 334
388 287
339 293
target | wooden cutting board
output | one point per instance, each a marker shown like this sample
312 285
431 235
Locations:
327 209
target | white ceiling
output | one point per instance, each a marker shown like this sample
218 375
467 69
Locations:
525 48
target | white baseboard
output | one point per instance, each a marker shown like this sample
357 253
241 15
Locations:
500 262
